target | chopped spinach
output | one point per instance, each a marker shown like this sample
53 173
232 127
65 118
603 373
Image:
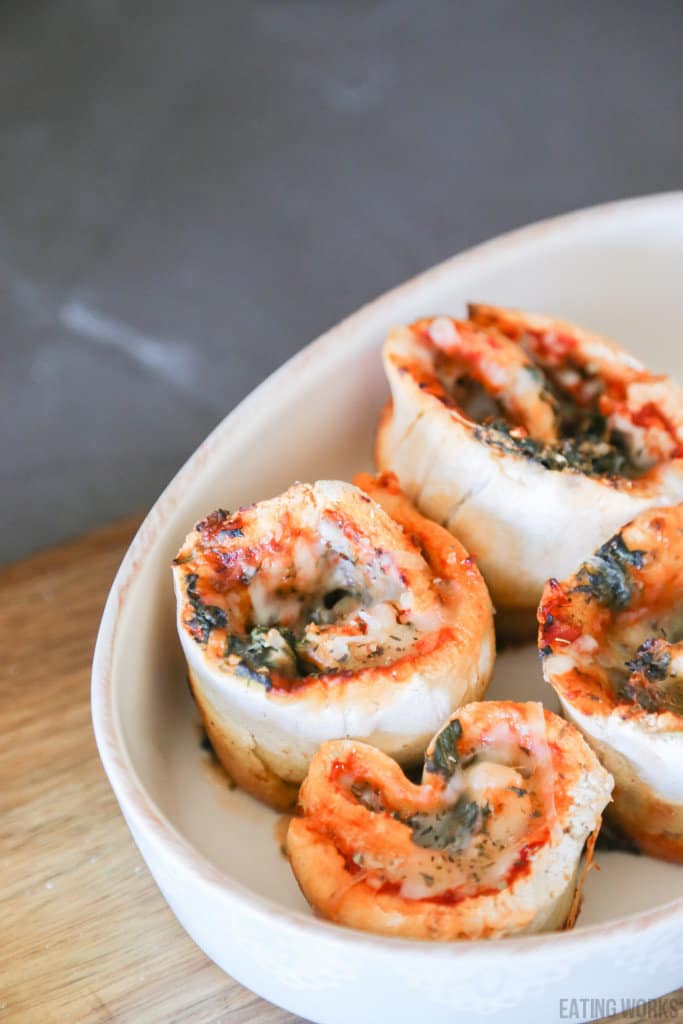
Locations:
444 759
589 450
448 829
267 648
649 685
638 692
653 696
607 577
206 616
652 659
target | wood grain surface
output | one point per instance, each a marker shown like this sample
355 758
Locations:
86 936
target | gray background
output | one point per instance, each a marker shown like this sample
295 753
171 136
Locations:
190 192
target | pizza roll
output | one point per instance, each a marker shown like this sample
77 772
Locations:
488 845
611 639
531 439
329 611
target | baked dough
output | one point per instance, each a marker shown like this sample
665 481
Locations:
611 639
488 845
530 439
329 611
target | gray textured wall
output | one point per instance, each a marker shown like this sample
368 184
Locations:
189 192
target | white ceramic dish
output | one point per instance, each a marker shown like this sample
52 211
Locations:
214 852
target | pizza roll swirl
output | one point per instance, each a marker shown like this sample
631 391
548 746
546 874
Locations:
531 439
488 845
329 611
611 639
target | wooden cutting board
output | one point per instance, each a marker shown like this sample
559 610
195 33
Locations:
86 936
